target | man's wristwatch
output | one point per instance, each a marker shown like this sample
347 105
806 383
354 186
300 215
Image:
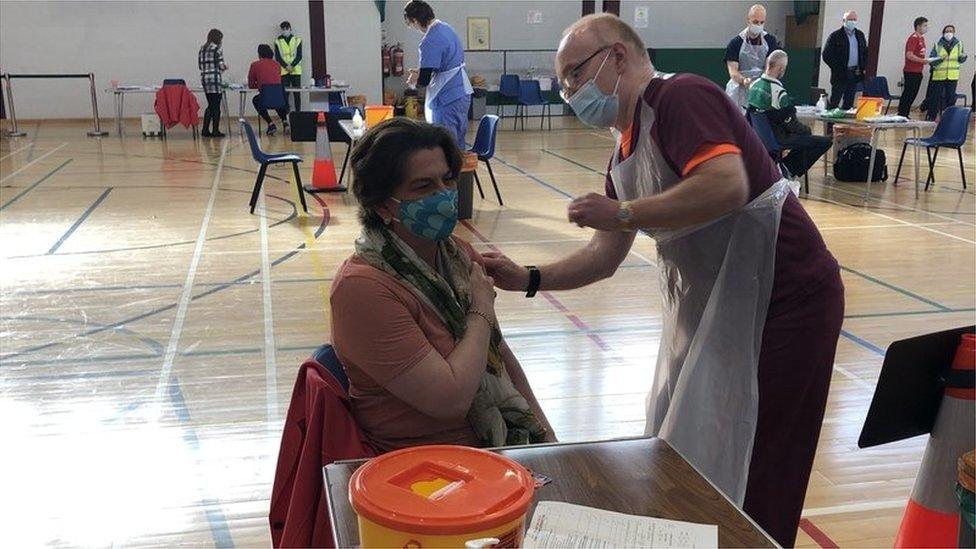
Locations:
535 280
625 217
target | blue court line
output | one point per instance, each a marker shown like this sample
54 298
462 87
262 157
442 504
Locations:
212 510
46 291
80 220
88 375
911 313
573 162
863 343
890 286
534 178
38 182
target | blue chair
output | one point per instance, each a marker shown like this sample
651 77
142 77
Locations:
484 147
326 356
878 87
531 95
950 133
273 97
760 123
266 160
508 94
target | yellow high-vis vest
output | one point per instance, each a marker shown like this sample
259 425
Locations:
948 69
288 50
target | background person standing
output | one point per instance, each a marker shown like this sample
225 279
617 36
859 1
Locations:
288 54
914 63
746 54
945 72
846 53
210 61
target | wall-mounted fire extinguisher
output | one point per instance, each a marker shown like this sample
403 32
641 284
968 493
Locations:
385 53
397 54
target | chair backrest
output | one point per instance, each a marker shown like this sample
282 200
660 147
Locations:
174 82
953 126
530 93
484 142
877 87
509 85
252 140
273 96
764 130
326 356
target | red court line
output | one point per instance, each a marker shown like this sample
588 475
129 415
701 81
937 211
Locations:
553 300
818 535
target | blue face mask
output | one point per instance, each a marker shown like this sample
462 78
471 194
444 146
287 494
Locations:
432 217
592 106
850 25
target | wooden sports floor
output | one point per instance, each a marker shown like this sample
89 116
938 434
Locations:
152 328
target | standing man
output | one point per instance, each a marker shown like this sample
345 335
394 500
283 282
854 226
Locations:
441 71
846 53
915 61
288 54
752 298
745 56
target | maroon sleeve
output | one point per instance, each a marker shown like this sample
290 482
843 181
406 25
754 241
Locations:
608 184
692 114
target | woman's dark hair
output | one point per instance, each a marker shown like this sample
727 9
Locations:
215 36
947 27
419 11
379 161
265 51
284 25
919 21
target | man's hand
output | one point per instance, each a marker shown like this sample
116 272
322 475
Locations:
507 274
412 75
595 210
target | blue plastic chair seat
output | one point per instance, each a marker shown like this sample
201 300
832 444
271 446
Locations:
326 356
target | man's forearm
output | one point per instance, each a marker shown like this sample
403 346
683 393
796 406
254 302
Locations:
596 261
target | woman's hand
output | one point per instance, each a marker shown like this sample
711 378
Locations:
507 274
595 210
412 76
482 291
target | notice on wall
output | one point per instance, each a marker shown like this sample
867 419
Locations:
534 17
642 16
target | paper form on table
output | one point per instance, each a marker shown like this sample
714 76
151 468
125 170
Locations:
558 524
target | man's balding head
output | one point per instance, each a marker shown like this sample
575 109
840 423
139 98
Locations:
603 28
757 10
850 15
776 63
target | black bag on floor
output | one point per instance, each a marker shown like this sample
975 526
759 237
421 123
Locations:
852 164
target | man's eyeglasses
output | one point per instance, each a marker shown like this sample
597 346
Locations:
570 82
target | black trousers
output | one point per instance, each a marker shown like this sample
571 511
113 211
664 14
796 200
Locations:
293 81
805 150
211 116
913 81
843 89
263 112
941 94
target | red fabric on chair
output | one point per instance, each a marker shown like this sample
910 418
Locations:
176 104
319 429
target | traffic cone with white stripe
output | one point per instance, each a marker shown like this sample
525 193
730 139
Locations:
323 170
932 516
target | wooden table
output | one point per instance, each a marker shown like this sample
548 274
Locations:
642 476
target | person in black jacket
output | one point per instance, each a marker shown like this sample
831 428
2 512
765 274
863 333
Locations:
846 53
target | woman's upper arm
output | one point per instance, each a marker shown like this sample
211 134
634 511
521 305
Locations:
373 328
429 386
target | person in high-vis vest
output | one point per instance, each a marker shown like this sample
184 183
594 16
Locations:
288 54
945 72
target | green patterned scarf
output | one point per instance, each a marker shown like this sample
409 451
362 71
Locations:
499 414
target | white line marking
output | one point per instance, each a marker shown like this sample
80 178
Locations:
853 377
849 227
187 293
896 220
856 507
11 153
902 206
270 368
27 165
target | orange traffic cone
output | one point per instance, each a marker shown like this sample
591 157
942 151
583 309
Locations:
932 516
323 170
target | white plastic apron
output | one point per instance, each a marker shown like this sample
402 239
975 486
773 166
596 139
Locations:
752 62
437 83
716 280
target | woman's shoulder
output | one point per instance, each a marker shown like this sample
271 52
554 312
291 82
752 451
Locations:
356 281
467 248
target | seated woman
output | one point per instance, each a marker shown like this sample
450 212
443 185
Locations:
413 312
266 71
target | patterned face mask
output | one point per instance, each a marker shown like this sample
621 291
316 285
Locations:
432 217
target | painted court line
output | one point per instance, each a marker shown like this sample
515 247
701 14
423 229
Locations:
270 367
187 292
854 507
850 375
13 152
35 184
817 535
80 220
32 162
899 221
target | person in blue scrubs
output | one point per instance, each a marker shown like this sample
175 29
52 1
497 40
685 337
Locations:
441 72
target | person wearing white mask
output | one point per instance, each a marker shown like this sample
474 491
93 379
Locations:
746 54
846 53
947 54
915 61
288 54
752 298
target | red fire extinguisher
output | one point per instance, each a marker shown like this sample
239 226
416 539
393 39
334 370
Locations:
397 60
385 54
